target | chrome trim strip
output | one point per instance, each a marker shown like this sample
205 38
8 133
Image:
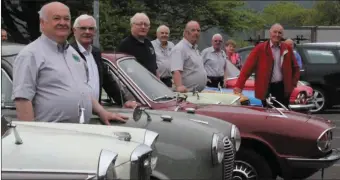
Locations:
106 159
120 69
236 99
297 106
49 171
6 74
150 137
126 83
141 150
199 121
329 129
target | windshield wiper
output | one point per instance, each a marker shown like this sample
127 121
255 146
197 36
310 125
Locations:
165 97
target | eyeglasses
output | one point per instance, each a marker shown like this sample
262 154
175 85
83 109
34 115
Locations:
83 28
218 41
142 23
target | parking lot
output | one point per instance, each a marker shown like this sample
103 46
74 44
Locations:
334 171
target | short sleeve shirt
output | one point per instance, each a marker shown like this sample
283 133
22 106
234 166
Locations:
214 62
142 51
163 57
186 58
55 79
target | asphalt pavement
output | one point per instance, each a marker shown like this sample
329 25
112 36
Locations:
334 171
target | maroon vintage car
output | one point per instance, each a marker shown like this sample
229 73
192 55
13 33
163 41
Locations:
275 142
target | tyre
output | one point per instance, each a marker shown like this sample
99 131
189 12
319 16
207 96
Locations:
249 165
320 100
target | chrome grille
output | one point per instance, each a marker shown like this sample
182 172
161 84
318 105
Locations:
228 160
144 171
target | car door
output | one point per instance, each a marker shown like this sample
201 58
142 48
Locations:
321 66
7 105
42 174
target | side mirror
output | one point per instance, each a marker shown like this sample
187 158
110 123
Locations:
137 113
106 165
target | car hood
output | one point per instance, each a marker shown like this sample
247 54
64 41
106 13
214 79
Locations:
181 124
258 114
65 146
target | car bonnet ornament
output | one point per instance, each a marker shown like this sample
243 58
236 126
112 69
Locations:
81 112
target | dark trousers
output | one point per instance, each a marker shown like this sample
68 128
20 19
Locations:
214 81
276 89
167 81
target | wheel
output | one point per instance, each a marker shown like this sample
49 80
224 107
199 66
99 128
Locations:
251 166
319 100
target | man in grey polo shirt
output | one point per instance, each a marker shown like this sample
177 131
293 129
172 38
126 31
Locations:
50 80
186 62
163 48
214 59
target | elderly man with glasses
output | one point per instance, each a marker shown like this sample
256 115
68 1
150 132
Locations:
214 59
138 45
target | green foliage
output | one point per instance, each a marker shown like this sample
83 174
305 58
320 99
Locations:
324 13
114 19
285 13
228 15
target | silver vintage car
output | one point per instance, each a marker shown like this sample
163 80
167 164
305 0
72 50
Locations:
38 150
189 146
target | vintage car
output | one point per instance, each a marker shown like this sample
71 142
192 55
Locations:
38 150
265 133
320 68
189 146
301 99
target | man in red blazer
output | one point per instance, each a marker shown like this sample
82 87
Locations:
275 67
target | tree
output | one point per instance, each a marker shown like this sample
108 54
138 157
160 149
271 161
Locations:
286 13
324 13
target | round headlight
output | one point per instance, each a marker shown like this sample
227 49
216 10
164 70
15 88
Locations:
217 149
235 137
324 141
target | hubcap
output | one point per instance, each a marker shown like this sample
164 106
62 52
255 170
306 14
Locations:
244 171
319 101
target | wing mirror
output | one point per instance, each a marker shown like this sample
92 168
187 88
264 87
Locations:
137 113
106 165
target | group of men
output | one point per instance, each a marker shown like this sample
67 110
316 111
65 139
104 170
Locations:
54 81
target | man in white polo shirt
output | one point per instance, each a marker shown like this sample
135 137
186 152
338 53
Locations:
50 79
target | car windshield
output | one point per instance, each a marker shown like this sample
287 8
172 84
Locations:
232 70
6 86
145 80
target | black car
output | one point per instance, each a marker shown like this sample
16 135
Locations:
320 68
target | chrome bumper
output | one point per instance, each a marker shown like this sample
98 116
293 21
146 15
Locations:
301 106
320 163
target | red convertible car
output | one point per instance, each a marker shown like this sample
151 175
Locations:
301 98
275 142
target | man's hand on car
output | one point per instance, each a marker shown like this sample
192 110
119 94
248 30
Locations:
107 116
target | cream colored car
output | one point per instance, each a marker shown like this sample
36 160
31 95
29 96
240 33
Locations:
38 150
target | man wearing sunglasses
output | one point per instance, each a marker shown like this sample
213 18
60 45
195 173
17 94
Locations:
214 59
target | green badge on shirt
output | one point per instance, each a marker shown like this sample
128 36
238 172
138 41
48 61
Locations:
76 58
